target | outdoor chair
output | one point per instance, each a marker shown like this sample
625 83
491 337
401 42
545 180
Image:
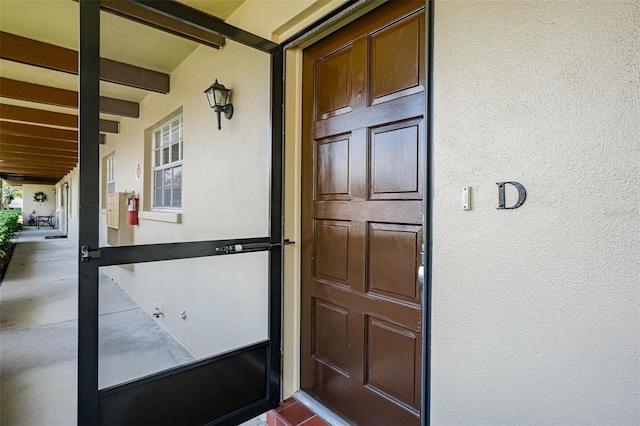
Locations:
45 220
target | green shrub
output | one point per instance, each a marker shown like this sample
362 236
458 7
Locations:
8 225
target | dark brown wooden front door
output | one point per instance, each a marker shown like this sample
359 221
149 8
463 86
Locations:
363 170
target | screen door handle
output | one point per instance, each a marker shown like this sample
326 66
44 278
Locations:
238 248
421 272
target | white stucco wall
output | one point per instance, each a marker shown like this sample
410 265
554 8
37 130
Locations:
536 315
226 172
225 196
67 203
29 204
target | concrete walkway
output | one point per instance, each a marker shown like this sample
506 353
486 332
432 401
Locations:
38 334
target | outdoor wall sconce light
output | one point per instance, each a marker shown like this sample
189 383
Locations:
54 191
66 185
218 97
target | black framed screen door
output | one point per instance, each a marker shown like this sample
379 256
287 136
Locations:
181 327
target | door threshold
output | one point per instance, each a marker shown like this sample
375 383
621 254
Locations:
320 409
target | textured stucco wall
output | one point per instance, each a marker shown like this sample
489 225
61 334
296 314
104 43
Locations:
226 172
536 316
225 196
29 205
68 202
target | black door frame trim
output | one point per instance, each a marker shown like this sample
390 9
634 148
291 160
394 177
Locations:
427 256
89 397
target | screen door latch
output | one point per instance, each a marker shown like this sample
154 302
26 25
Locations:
285 242
86 253
237 248
421 272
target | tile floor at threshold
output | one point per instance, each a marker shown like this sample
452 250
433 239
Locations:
293 413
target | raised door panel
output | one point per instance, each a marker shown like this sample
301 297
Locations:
396 66
393 362
333 84
393 259
331 247
395 157
330 335
332 169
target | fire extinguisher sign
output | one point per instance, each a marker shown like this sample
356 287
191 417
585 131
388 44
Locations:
138 170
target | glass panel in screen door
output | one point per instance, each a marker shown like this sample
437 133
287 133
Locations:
160 315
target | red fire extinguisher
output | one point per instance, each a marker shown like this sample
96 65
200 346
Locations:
132 204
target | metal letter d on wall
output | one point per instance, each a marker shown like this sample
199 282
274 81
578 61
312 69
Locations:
522 195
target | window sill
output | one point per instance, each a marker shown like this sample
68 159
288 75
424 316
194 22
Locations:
171 217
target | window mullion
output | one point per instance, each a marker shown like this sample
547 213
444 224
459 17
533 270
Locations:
164 172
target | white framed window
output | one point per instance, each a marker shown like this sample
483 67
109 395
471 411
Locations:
167 164
111 173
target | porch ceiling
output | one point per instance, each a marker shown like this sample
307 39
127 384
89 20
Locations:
39 83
